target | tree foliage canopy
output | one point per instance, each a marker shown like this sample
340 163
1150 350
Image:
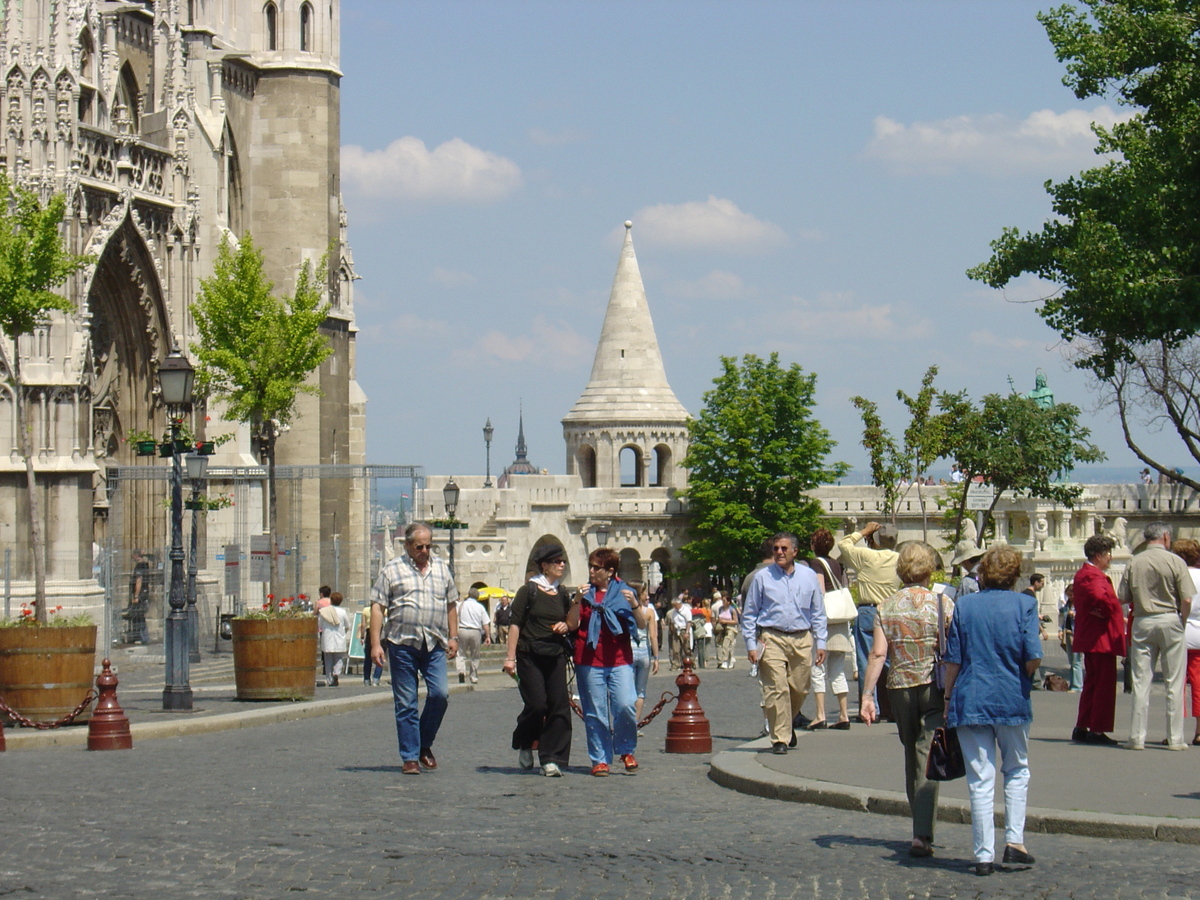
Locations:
256 350
1124 245
755 450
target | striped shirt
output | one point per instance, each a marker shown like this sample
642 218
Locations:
415 604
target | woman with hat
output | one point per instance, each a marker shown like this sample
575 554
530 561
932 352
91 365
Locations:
537 655
967 555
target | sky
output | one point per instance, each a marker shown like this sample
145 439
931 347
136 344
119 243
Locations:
807 178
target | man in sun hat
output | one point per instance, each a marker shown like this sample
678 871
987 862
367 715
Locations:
967 555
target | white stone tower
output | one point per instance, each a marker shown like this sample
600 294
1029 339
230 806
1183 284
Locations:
627 407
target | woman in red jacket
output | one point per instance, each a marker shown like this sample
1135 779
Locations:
1100 637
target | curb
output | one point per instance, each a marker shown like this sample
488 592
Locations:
739 770
185 727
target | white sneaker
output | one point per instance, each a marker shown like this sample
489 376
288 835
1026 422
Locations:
551 770
525 759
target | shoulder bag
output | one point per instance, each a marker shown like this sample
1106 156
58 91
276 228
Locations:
939 664
839 603
945 762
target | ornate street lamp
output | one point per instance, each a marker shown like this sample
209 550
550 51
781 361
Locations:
196 467
488 431
450 498
601 532
175 379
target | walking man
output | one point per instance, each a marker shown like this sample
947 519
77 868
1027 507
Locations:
414 627
875 570
1100 637
1158 586
472 632
783 624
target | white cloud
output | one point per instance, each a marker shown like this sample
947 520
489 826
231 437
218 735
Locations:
543 138
985 338
993 144
451 279
716 285
841 316
407 170
406 327
555 345
715 222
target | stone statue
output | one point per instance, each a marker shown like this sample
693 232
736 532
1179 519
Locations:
1117 532
970 532
1041 531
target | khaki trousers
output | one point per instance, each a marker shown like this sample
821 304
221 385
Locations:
784 668
1157 638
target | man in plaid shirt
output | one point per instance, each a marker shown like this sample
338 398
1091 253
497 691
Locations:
414 625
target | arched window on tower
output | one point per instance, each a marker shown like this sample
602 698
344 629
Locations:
271 21
585 465
306 27
631 466
129 95
660 466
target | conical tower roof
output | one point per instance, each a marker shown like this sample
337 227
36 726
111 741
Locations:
628 383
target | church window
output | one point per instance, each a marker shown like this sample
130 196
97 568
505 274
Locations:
271 18
306 25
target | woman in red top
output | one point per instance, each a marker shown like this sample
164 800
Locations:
604 615
1100 637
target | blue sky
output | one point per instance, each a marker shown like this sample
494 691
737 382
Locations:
808 178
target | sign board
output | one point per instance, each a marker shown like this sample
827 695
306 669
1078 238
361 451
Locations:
980 495
233 569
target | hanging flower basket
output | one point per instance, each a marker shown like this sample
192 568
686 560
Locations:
206 448
146 448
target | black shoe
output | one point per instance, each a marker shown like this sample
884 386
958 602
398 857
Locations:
1095 737
1013 855
792 742
800 721
984 868
841 726
1081 736
779 748
817 726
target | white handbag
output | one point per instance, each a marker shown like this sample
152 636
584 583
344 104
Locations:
839 603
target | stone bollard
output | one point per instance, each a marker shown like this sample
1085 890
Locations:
687 729
109 726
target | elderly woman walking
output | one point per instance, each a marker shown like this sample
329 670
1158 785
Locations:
992 652
906 635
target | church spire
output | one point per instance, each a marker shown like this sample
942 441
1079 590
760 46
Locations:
628 382
522 450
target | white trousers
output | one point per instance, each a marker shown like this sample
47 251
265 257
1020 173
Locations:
835 664
1157 638
979 744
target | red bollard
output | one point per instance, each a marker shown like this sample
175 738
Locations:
3 743
108 728
687 729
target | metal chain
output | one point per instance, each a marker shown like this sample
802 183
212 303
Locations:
45 726
667 697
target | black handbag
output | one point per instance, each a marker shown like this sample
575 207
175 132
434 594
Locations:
945 762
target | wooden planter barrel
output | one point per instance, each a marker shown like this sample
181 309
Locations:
46 671
275 659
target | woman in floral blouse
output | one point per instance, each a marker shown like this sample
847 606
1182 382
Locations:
906 635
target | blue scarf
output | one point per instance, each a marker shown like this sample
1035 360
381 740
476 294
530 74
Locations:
614 612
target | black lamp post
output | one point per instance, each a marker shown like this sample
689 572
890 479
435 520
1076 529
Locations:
175 378
450 497
488 431
196 467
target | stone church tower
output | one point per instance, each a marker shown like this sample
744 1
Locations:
170 125
627 409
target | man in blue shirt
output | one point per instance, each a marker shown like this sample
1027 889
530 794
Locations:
783 625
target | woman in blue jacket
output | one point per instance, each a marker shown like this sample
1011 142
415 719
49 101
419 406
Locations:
992 652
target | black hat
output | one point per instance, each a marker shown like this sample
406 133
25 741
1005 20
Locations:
547 553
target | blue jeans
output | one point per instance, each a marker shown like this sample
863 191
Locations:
415 734
979 744
864 639
1075 661
641 669
607 696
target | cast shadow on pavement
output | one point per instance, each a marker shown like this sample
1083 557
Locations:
899 851
370 768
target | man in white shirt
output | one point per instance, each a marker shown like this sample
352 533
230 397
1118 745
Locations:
473 631
681 629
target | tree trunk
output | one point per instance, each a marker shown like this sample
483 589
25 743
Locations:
272 513
36 550
924 514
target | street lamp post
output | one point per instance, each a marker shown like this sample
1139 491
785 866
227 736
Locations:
196 466
488 431
601 532
175 377
450 498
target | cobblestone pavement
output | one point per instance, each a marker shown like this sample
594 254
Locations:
319 806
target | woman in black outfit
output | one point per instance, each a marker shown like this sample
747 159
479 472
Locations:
537 656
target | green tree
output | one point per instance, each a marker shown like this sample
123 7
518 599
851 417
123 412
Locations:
755 450
924 443
257 350
1123 245
1019 447
33 261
